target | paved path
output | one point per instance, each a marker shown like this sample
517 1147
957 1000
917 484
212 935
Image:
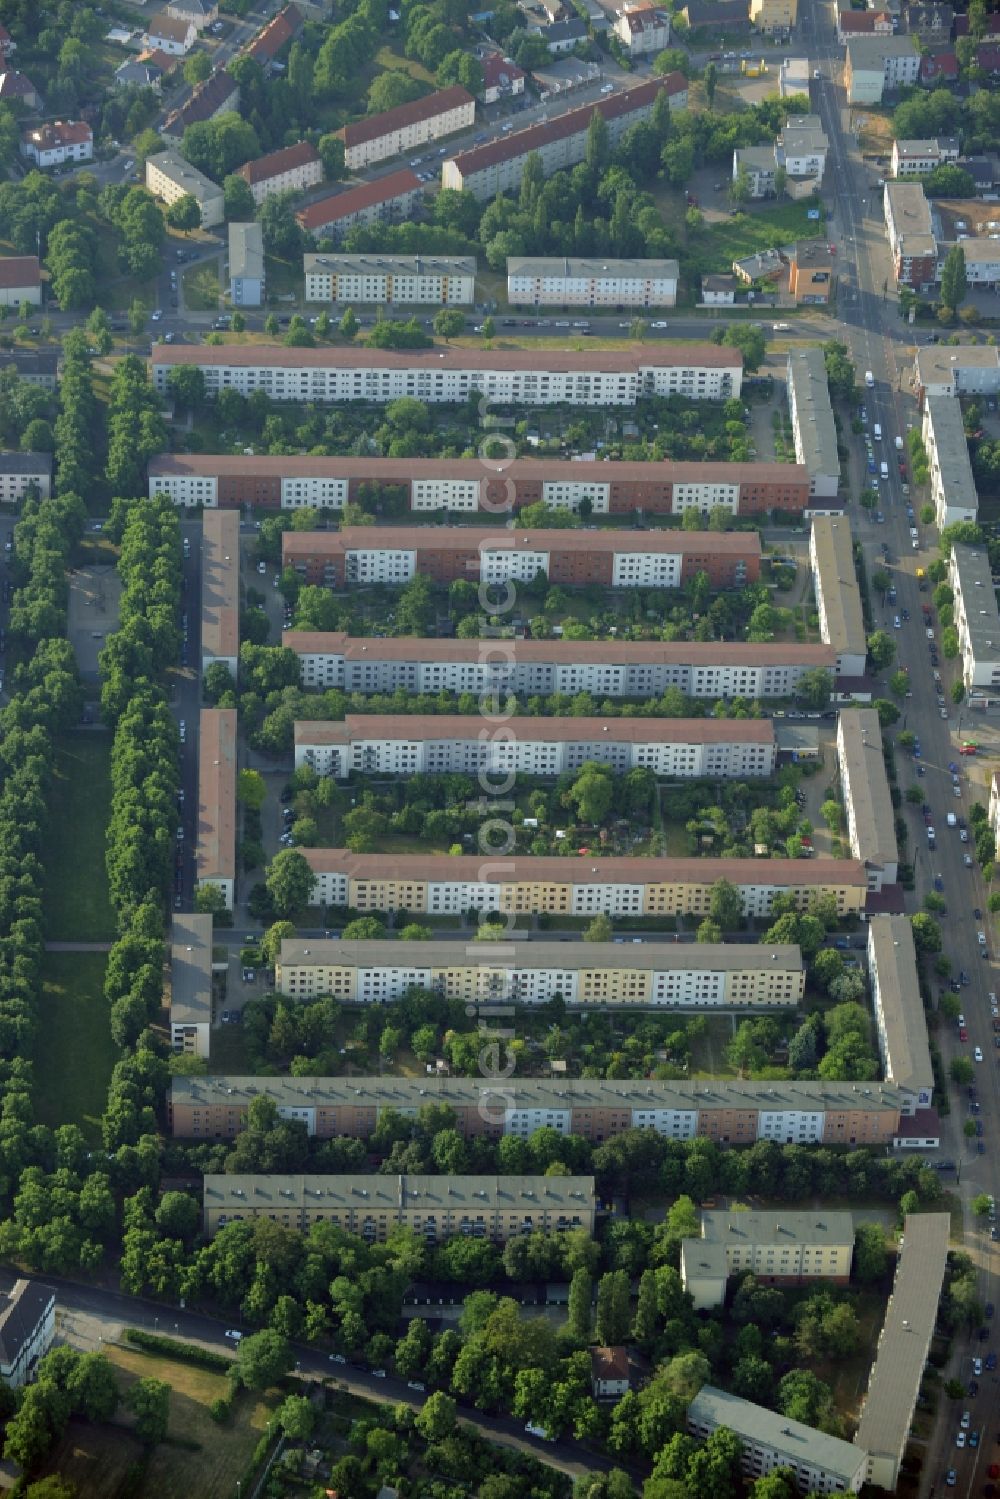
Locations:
78 946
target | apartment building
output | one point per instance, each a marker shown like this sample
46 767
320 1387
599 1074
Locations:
639 669
217 95
293 169
838 596
777 1248
169 176
571 281
864 787
770 16
34 366
191 985
173 35
877 65
912 234
200 13
246 265
904 1343
977 618
819 1464
756 166
272 39
391 280
899 1011
645 975
436 1208
498 165
27 1328
918 158
642 29
412 744
63 140
953 488
800 148
731 1112
810 274
24 473
408 127
220 589
982 259
957 370
468 485
382 200
614 559
20 280
705 372
813 426
215 850
994 807
502 79
450 885
793 77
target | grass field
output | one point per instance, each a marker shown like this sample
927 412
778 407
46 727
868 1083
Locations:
76 885
718 245
201 287
106 1462
75 1052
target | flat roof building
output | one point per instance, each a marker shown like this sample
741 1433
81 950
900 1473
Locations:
191 985
813 426
220 589
496 1208
911 231
953 488
818 1462
899 1010
957 370
838 595
864 785
215 854
904 1343
170 177
778 1248
977 618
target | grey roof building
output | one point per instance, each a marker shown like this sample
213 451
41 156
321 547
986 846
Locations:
977 618
37 366
899 1009
953 488
246 264
871 817
27 1327
838 596
770 1441
191 984
812 420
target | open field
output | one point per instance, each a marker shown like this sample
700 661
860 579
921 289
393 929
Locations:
717 245
76 885
106 1462
201 287
75 1052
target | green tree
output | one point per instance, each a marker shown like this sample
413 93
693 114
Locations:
349 325
149 1401
954 280
881 650
599 929
297 1418
710 77
261 1359
449 322
612 1320
290 882
578 1320
436 1420
725 906
183 213
240 207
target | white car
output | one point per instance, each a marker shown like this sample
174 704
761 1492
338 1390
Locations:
978 1054
781 327
608 88
961 1021
337 1358
157 315
816 73
960 1439
981 938
966 1420
659 325
956 790
977 1367
231 1332
262 568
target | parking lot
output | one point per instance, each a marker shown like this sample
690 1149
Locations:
94 591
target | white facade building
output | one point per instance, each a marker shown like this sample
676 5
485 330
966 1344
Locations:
813 426
246 265
21 473
293 169
864 786
643 29
899 1011
390 280
173 35
838 596
916 158
880 64
169 176
553 281
953 488
820 1464
407 128
65 140
27 1328
977 618
957 370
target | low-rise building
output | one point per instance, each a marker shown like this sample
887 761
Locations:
169 176
498 165
916 158
756 166
391 280
793 77
718 291
854 23
24 473
20 280
810 272
170 34
838 596
502 79
61 141
217 95
373 1206
273 38
770 16
27 1328
877 65
800 149
819 1463
899 1011
561 36
215 852
220 589
982 259
957 370
639 669
506 377
293 169
977 618
904 1343
137 72
645 975
246 265
911 232
930 24
726 16
383 199
864 786
731 1112
201 13
610 1376
953 488
34 366
562 281
813 426
763 265
408 127
779 1248
17 88
642 29
191 985
412 744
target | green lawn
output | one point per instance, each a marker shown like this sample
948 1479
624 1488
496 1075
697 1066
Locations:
76 885
716 246
201 287
75 1053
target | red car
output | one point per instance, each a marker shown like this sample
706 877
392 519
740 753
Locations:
963 1034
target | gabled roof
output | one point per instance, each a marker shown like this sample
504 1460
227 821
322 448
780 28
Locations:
942 64
206 99
376 126
20 270
498 69
171 27
278 162
16 86
21 1310
276 34
342 205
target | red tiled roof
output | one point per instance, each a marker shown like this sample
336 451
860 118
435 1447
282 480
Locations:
205 100
609 1362
278 162
20 270
59 133
269 42
375 126
497 69
341 205
15 85
988 58
939 65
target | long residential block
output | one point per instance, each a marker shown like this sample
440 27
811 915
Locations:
977 618
957 370
733 1112
640 668
562 281
953 488
864 785
899 1010
215 851
838 594
391 280
170 177
410 744
383 199
293 169
777 1248
24 473
692 976
497 1208
220 589
407 127
615 559
498 166
507 377
911 233
813 427
191 985
469 485
449 885
819 1464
